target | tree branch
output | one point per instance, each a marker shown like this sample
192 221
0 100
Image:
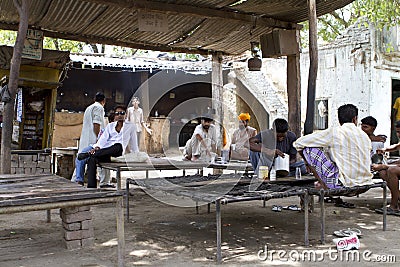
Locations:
339 18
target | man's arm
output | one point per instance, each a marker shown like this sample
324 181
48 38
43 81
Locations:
391 148
96 129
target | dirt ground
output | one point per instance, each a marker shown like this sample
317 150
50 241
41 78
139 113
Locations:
164 235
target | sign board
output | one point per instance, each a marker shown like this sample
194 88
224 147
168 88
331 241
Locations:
33 45
152 21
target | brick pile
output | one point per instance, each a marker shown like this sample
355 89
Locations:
77 227
65 166
30 164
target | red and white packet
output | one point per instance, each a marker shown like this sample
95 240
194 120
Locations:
347 243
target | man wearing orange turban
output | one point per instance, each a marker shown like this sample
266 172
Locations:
240 140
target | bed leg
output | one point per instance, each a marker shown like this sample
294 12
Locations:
322 205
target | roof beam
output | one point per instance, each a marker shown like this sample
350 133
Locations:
109 41
203 12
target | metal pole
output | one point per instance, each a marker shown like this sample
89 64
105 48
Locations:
384 205
119 214
218 217
322 204
306 225
127 199
118 178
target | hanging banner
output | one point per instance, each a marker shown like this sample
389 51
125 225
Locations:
33 45
152 21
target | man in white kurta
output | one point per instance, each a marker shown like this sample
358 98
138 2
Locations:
202 142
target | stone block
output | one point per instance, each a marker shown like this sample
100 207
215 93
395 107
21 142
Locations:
73 244
76 217
86 224
73 235
87 233
84 208
72 226
87 242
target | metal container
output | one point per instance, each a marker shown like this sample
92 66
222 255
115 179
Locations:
282 166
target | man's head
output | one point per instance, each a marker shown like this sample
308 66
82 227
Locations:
119 113
368 125
135 102
281 127
347 114
206 121
101 98
244 119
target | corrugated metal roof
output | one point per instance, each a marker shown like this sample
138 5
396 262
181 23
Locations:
198 26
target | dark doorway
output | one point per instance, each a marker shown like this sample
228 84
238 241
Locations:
395 95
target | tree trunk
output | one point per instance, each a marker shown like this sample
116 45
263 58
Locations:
8 115
312 74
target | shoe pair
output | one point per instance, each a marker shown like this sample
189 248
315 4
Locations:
107 186
83 155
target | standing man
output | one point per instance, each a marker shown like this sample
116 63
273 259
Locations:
135 116
240 139
93 122
203 141
112 143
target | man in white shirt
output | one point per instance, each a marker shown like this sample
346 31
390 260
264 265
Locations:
203 141
93 122
112 143
347 161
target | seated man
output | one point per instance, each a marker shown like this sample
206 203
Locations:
203 141
394 147
240 139
368 125
268 144
347 161
112 143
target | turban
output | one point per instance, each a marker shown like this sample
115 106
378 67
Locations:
244 116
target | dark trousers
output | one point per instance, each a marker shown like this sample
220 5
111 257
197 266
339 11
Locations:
101 155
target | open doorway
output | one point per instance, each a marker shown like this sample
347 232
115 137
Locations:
395 95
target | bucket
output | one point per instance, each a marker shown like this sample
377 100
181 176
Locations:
282 166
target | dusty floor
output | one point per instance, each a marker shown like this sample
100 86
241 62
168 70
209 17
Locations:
163 235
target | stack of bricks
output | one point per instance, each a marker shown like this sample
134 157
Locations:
30 163
77 227
65 166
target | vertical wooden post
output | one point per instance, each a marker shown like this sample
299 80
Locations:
8 114
294 90
312 74
217 96
120 231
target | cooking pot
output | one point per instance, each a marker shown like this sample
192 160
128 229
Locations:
282 166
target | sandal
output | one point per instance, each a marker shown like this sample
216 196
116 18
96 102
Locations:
389 211
330 200
276 208
343 204
292 207
348 232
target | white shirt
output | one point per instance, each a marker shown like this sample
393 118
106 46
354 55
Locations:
126 136
135 116
211 134
349 147
93 114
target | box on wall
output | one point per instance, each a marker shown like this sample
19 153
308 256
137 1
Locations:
280 43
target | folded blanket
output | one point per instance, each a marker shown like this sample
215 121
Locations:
132 157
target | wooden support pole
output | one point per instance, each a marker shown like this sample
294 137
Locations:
217 93
294 90
8 114
312 74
